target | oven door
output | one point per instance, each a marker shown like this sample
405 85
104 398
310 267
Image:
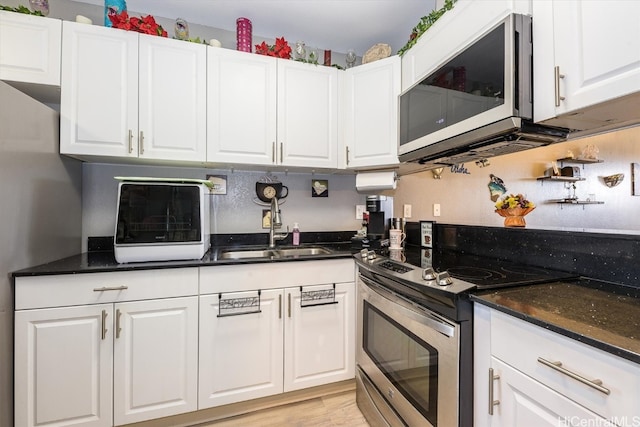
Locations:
410 355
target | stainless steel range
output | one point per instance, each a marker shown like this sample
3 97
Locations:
415 336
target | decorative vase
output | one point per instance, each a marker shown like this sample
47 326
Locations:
244 30
514 217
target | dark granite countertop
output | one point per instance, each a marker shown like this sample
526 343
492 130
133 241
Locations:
600 314
104 261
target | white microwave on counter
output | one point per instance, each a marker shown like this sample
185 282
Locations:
161 220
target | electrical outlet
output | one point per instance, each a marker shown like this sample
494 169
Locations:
407 211
360 211
436 209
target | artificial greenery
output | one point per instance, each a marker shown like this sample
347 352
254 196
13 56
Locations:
425 23
21 9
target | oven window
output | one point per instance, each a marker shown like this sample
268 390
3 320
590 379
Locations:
408 362
151 213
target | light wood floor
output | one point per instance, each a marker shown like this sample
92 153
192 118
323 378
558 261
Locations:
335 410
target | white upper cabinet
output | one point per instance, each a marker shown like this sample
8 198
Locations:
130 95
369 115
30 48
307 115
241 115
586 60
268 111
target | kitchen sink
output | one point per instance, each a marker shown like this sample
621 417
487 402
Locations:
272 253
244 254
292 252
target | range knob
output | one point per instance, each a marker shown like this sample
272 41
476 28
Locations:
441 279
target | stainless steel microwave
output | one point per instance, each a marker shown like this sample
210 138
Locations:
478 103
161 221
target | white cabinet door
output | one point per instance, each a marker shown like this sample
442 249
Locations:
524 402
307 115
597 48
172 99
99 91
319 339
63 366
240 354
370 114
130 95
586 59
241 102
30 48
155 359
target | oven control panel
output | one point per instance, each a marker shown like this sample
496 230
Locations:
395 267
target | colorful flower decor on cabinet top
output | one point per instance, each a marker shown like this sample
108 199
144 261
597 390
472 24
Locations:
145 25
280 50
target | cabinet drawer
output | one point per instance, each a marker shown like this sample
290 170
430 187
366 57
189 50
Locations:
526 346
246 277
96 288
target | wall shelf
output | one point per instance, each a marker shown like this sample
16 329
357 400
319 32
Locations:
582 162
561 178
563 202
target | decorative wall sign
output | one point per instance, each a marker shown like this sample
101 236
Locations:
219 184
426 234
460 169
319 188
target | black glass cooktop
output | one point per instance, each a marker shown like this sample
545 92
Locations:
484 272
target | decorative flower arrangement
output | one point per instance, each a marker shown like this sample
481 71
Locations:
145 25
511 201
513 209
280 50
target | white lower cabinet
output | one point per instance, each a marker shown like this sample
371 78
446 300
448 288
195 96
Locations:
319 339
524 402
251 349
85 355
240 354
63 367
526 375
155 369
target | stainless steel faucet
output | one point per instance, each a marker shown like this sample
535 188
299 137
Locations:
276 222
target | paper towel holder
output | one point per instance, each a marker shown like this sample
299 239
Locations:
376 181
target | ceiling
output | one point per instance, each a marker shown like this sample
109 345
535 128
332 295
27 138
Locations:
337 25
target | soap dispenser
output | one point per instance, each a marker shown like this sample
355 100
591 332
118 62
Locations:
296 234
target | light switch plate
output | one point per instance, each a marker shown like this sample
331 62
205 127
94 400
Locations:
436 209
360 211
407 211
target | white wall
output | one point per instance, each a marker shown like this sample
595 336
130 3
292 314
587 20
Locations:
235 212
464 199
40 214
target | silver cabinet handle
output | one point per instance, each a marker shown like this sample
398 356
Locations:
289 295
557 366
280 306
557 77
273 152
104 324
130 141
281 157
111 288
347 148
492 402
118 328
141 142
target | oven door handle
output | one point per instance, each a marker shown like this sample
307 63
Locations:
423 316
